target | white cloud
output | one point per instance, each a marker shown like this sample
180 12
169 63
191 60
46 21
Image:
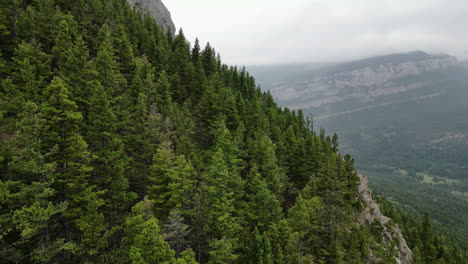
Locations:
273 31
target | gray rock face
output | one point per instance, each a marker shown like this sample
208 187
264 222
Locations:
366 79
378 75
371 213
157 10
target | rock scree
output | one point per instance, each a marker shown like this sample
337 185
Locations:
391 232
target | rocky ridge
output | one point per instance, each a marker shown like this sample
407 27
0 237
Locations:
391 232
377 75
158 11
365 79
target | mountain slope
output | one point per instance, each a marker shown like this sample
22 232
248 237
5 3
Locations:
122 144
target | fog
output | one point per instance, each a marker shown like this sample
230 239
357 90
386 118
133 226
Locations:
247 32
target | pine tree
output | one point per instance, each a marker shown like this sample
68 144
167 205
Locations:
222 251
8 22
137 87
263 154
71 179
27 196
108 149
124 51
173 181
29 161
143 241
303 218
158 190
428 251
175 231
106 64
187 257
183 68
182 183
224 141
71 56
334 142
195 56
29 78
417 259
199 82
34 222
3 64
71 155
164 97
92 224
220 214
184 134
261 249
263 209
208 59
140 143
39 21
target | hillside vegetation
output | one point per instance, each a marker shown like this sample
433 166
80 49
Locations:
122 144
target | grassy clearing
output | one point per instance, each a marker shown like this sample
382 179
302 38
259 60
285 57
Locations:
431 179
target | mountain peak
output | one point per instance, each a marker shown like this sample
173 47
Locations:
395 59
158 11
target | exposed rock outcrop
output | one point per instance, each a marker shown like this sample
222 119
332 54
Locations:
391 232
377 75
158 11
361 80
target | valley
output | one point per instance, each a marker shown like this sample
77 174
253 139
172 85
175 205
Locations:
402 117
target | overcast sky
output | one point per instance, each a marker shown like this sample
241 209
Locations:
247 32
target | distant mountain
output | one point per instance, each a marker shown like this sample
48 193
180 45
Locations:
363 79
404 119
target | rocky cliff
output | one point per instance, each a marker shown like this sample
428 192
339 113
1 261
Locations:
375 75
391 232
158 10
364 80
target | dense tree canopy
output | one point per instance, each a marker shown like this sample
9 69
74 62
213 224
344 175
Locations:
122 144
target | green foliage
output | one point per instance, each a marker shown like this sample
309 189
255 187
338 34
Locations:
108 150
144 243
220 214
303 218
31 73
91 223
428 250
222 251
172 181
263 209
263 154
261 249
122 144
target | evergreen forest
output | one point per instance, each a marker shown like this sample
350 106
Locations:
122 143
